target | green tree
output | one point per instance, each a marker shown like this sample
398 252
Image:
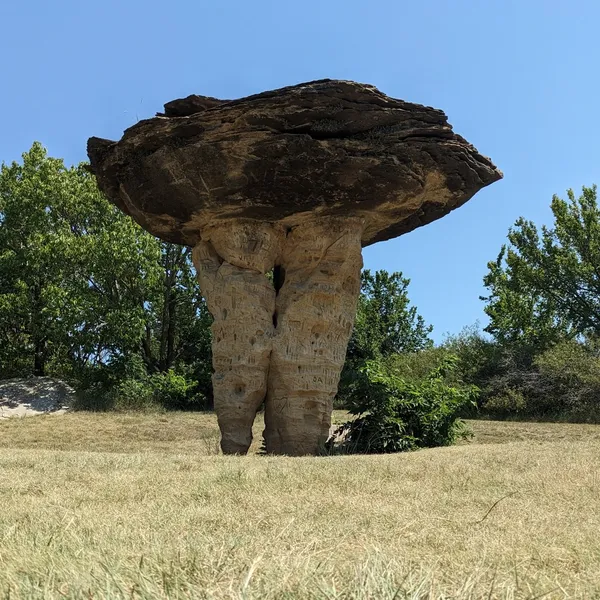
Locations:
545 284
385 322
177 330
74 273
385 325
85 292
30 272
544 307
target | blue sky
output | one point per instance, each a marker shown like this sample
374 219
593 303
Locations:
519 79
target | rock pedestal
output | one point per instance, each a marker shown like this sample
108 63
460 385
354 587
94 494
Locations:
314 309
282 342
232 261
292 181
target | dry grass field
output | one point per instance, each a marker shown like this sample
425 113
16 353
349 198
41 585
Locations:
142 506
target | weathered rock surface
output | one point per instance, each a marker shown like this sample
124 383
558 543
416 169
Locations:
285 348
293 181
321 148
315 310
242 302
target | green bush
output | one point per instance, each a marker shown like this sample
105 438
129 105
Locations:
507 403
174 391
418 366
135 395
411 366
94 396
572 371
136 391
563 383
570 363
395 415
479 358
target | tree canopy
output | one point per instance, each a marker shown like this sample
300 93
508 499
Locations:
84 289
544 307
545 284
385 322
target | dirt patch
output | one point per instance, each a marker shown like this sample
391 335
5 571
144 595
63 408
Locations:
34 396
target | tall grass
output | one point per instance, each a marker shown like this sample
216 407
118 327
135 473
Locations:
135 506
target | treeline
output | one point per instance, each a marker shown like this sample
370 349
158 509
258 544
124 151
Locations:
543 303
539 356
87 296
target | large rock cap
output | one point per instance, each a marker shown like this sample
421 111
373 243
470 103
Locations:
321 148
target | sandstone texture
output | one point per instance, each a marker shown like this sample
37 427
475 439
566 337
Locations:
320 148
290 183
242 301
281 342
315 308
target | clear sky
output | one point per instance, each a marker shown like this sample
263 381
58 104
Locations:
520 79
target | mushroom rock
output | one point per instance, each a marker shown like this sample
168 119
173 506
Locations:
295 182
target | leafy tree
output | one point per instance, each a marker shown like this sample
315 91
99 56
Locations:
545 284
75 273
177 332
544 309
29 269
417 366
115 283
386 324
87 294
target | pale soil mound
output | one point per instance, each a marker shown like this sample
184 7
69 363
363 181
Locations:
34 396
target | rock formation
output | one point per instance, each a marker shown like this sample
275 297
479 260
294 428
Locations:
294 182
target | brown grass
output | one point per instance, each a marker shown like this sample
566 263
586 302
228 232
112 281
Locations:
500 432
140 506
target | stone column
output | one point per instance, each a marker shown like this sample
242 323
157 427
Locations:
232 261
314 314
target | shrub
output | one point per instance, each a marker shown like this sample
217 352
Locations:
570 363
573 373
479 357
509 402
394 415
561 383
136 395
174 391
418 366
93 396
411 366
140 392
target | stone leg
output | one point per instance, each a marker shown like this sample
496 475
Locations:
314 314
231 263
